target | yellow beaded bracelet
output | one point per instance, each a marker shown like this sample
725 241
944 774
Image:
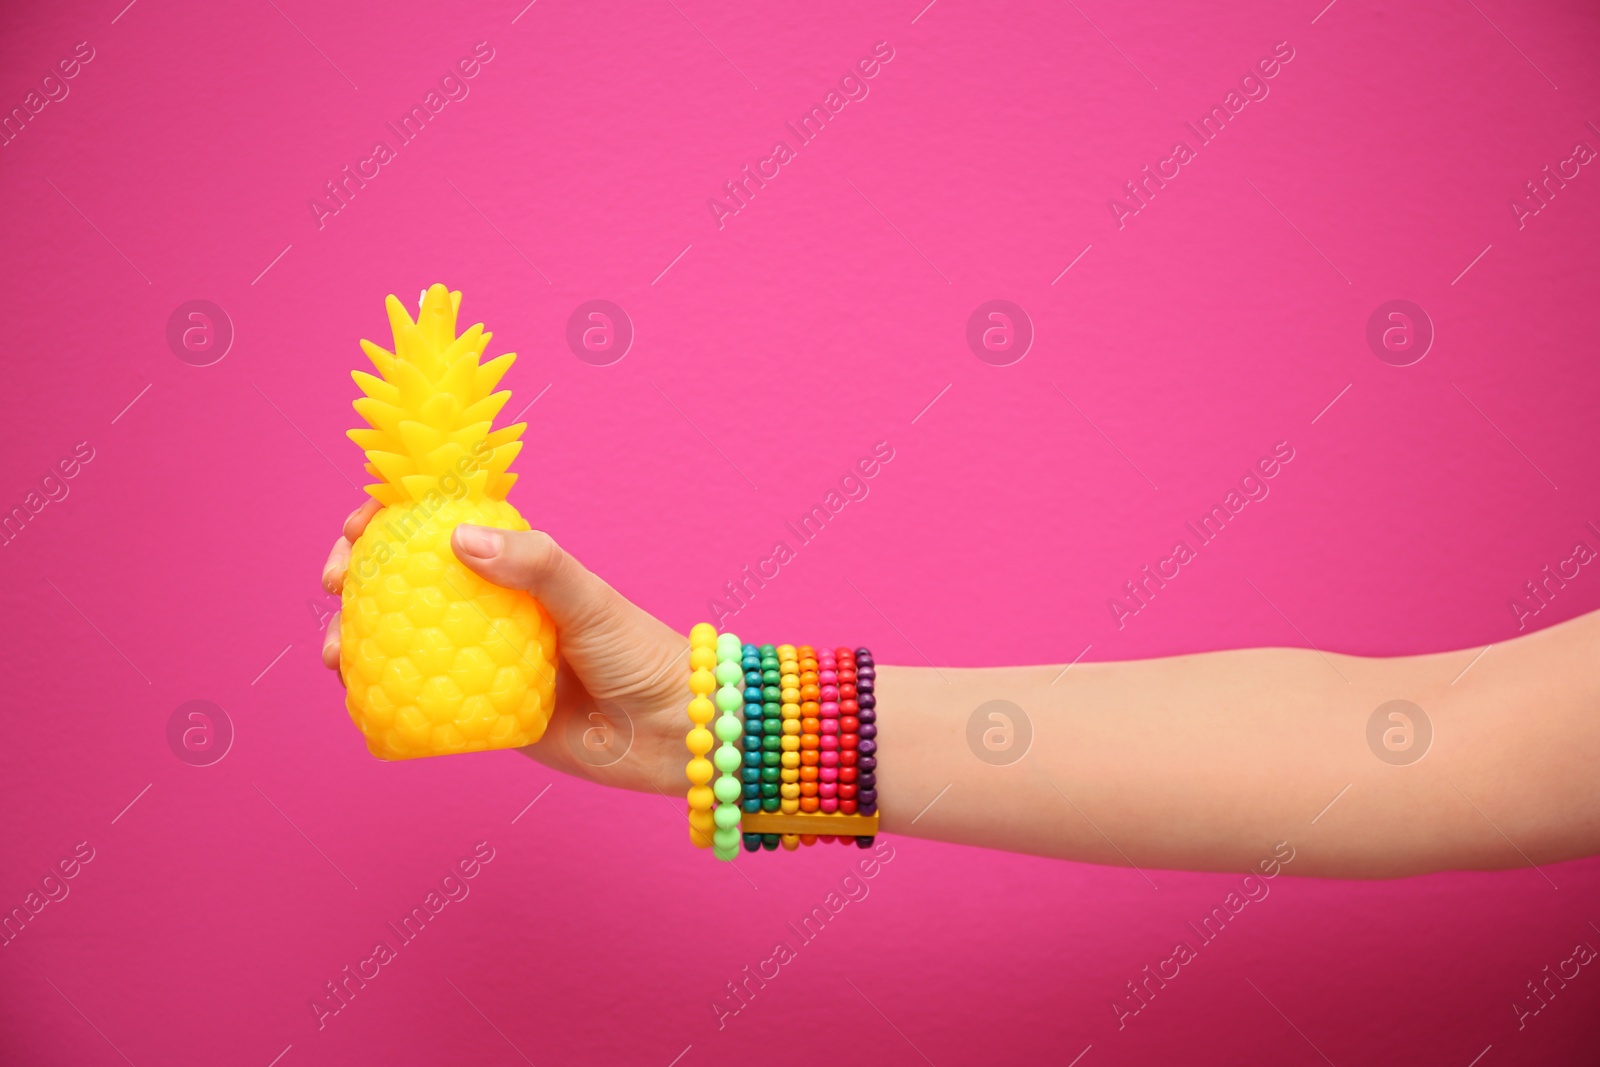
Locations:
702 683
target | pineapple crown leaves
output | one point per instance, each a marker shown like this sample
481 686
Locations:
431 407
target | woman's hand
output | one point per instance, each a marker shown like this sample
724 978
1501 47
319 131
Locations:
617 661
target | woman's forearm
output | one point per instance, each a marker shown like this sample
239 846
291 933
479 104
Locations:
1205 762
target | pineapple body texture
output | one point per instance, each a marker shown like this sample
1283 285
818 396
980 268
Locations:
435 659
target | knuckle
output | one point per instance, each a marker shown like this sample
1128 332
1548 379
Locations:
540 553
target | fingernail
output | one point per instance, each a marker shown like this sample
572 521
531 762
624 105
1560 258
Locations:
479 541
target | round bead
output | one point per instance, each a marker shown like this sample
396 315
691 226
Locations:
810 725
867 747
789 774
846 791
867 715
848 757
809 692
750 776
849 724
790 743
790 759
847 774
702 635
729 699
699 771
847 806
752 842
751 805
808 742
867 701
701 797
770 789
829 758
728 673
850 741
702 659
728 728
770 745
808 757
828 741
727 758
829 726
770 774
728 647
769 841
828 789
868 809
701 710
868 781
868 731
809 774
752 743
726 816
792 726
829 805
865 842
868 764
790 790
826 677
699 741
808 804
828 774
753 789
725 839
847 691
868 796
773 803
789 807
727 790
702 682
849 707
790 694
790 842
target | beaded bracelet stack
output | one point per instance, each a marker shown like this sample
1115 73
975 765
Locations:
808 761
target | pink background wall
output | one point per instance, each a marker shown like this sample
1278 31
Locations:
826 315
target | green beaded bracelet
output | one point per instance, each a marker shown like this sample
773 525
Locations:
728 758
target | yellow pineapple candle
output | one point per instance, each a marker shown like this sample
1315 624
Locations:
436 659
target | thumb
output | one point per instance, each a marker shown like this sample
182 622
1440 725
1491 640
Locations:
531 560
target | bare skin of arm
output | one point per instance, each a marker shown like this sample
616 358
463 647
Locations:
1199 762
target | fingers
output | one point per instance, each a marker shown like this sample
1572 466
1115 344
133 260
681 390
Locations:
330 643
357 522
338 563
531 560
339 558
